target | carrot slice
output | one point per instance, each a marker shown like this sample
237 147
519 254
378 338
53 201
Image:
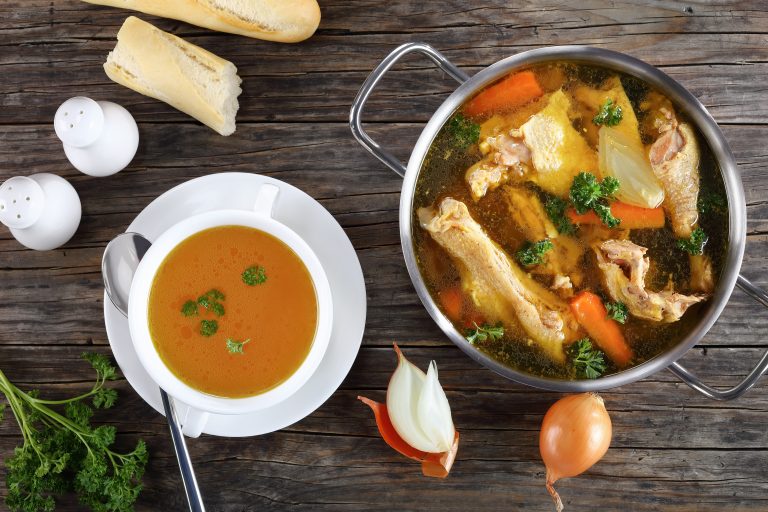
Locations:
593 317
452 301
631 217
436 465
513 91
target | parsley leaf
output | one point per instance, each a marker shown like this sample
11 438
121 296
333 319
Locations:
210 301
484 333
254 275
588 362
587 193
712 202
464 131
556 208
65 453
608 115
189 308
208 327
236 347
617 311
695 244
533 253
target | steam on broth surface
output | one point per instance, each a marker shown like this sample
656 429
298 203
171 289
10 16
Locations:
570 221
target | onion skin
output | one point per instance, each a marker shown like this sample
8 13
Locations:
575 434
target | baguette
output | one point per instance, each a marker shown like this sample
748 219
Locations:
168 68
286 21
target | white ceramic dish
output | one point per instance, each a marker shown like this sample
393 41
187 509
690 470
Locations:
320 231
259 217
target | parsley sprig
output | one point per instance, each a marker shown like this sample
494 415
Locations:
63 452
617 311
533 253
236 347
587 193
695 243
485 332
556 208
608 115
589 363
254 275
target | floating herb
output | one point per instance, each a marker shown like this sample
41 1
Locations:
695 244
617 310
712 202
189 308
588 362
533 253
556 208
464 131
211 301
208 327
236 347
608 115
254 275
485 332
587 193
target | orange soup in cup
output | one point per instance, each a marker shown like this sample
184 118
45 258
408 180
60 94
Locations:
232 311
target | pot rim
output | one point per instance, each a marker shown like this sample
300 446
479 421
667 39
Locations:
706 126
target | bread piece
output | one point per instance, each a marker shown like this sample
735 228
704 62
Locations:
286 21
167 68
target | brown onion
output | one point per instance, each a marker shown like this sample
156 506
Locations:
575 434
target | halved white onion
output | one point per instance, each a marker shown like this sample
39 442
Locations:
419 409
627 162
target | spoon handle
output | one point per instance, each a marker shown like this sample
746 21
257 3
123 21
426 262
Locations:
182 456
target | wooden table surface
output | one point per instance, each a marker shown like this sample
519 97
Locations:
672 449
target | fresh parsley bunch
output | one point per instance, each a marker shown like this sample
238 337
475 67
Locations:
63 452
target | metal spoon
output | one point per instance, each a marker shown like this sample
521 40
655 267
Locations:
118 266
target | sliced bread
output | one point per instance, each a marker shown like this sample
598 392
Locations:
168 68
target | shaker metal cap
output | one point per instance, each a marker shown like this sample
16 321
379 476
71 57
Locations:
22 201
79 121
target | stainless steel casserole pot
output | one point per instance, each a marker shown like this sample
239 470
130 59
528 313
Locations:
612 60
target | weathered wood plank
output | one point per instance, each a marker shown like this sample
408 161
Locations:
72 41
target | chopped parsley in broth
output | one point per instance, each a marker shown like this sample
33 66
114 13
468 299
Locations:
538 208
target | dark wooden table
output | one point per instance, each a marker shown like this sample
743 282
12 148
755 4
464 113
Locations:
672 449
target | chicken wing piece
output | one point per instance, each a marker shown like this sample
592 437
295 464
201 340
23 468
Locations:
624 266
506 157
675 161
501 290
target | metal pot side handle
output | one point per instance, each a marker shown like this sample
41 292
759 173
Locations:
735 392
355 114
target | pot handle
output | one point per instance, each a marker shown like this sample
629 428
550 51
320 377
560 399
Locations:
355 114
742 387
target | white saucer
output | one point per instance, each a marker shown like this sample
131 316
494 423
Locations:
320 230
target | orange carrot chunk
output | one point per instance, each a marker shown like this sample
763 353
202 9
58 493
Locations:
631 217
513 91
452 301
593 317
